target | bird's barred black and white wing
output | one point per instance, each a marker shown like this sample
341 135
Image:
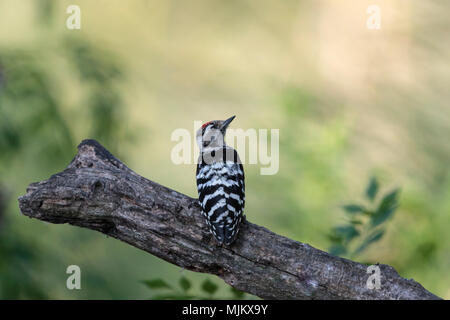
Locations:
221 189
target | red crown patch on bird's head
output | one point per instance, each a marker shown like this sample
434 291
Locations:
205 124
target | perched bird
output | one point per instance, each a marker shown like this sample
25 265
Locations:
220 182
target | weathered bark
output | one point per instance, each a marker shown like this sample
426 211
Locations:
97 191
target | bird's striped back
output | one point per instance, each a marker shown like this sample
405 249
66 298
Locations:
221 189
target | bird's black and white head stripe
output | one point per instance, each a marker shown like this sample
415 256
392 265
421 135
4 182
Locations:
221 186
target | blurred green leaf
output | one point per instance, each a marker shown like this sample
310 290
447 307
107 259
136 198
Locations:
338 249
382 216
389 200
334 238
209 287
185 284
373 237
355 222
237 294
354 208
386 208
346 232
156 284
372 189
361 230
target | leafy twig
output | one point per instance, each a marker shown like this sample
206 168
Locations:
365 223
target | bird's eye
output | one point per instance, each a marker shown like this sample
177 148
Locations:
205 143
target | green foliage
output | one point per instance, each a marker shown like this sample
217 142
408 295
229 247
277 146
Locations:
183 291
185 284
365 223
37 128
209 287
156 284
372 189
99 72
30 109
16 256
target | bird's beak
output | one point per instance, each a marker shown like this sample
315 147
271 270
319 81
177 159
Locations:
226 123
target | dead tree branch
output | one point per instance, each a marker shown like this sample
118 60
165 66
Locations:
97 191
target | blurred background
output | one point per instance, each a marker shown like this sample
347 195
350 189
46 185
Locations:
350 103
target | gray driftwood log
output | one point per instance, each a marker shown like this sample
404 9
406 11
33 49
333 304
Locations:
97 191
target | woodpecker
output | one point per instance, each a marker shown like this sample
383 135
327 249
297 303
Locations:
220 182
